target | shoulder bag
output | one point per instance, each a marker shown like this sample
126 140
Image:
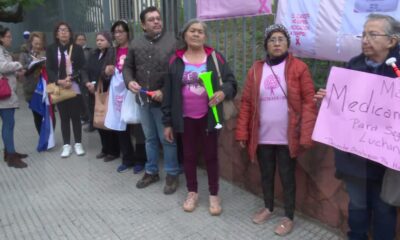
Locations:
5 89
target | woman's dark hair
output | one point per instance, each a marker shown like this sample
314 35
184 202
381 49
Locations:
147 10
78 35
3 32
123 24
55 31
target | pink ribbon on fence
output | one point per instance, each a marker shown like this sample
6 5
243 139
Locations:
263 7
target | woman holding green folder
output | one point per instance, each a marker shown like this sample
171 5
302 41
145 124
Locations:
187 110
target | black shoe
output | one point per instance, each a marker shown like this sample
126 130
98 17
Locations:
147 180
101 155
171 184
110 158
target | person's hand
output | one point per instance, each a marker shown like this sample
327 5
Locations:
90 87
243 144
134 86
20 73
157 96
321 93
65 83
169 134
109 70
217 98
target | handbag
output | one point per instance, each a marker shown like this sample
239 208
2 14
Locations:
5 89
130 109
390 192
228 106
58 93
100 107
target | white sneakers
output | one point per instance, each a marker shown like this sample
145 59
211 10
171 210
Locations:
67 150
79 149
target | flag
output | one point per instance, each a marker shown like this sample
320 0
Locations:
41 104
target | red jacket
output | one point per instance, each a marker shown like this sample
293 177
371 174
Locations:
302 109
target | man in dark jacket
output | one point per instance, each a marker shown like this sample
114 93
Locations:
363 178
145 68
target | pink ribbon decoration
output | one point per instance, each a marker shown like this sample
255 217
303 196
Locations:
263 7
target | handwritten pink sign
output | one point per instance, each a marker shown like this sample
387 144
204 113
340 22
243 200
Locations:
222 9
361 114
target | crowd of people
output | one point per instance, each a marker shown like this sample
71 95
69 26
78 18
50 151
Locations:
277 114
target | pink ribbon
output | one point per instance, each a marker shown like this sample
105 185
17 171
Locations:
263 7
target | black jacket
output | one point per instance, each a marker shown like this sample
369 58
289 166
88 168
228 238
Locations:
172 90
95 68
77 59
351 165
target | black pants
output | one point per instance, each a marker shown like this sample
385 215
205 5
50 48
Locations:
70 112
132 155
268 156
85 114
90 111
109 142
37 118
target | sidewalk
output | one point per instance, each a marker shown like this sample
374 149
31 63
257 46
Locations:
85 198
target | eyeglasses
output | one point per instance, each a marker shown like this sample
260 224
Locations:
63 30
372 35
118 32
278 40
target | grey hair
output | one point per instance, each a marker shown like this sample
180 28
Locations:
392 27
187 25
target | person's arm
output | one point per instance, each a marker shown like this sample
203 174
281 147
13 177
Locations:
129 72
8 66
245 113
308 107
78 59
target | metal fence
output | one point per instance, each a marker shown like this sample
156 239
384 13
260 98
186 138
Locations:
240 39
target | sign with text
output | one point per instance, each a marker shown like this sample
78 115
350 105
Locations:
221 9
360 114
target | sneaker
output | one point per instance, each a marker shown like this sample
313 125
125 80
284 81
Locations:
284 227
191 202
138 168
261 216
171 184
147 180
122 168
67 151
215 206
79 149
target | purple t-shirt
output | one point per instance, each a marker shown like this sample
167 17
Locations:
274 115
195 100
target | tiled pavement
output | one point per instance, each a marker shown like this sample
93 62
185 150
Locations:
85 198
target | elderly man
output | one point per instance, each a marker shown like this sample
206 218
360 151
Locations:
363 178
145 67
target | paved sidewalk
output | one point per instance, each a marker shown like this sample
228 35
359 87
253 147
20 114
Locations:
85 198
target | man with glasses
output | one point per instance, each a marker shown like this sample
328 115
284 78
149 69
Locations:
145 67
362 177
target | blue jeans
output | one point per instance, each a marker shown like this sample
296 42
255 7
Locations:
366 207
7 130
154 133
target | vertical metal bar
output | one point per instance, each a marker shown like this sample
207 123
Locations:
234 44
253 39
217 35
244 62
106 13
225 39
